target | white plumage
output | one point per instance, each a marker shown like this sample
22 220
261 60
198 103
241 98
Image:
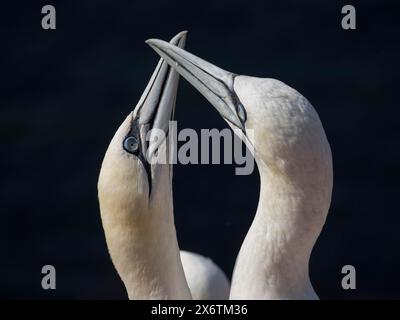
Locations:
137 208
295 165
205 279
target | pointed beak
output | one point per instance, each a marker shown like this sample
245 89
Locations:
156 107
214 83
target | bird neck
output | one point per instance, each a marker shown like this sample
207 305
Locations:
144 248
273 260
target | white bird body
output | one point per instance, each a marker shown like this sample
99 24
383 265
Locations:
295 165
136 204
205 279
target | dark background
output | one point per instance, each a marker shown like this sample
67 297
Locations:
65 92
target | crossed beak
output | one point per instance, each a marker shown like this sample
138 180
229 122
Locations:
156 106
214 83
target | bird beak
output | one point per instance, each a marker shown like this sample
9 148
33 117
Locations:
156 107
214 83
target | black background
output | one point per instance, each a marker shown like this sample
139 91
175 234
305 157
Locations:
65 92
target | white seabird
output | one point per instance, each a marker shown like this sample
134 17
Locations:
295 166
136 205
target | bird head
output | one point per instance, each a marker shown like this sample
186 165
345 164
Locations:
132 178
282 127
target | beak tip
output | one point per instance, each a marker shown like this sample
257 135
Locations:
150 41
182 36
154 43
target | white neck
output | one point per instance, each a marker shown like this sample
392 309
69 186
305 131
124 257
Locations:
273 260
142 241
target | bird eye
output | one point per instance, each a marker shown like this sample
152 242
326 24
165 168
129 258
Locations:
131 144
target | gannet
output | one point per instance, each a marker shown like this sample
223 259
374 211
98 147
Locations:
136 204
295 166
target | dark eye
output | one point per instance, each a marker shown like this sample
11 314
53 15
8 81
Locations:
131 144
